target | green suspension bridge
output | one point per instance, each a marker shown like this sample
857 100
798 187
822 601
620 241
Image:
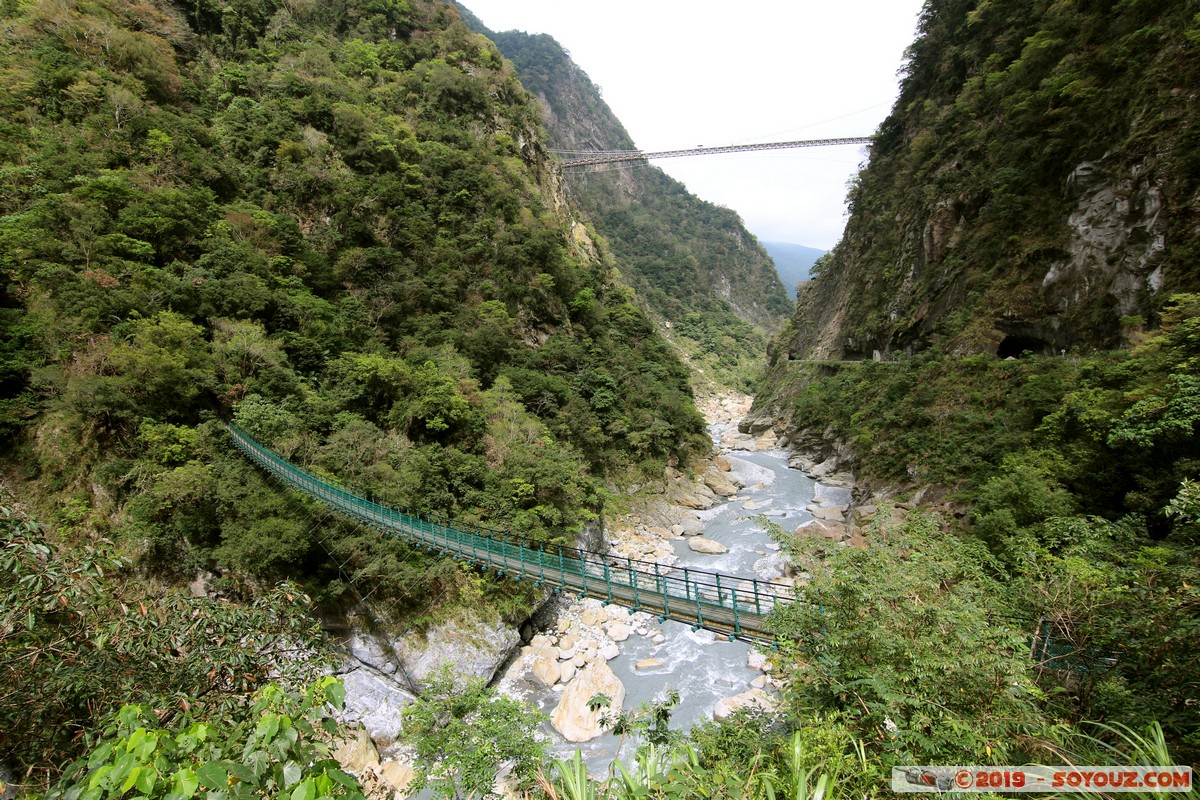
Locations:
728 605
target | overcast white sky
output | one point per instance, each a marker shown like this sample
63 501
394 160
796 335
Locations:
680 73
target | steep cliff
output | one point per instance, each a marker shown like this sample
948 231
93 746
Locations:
338 226
693 263
1034 188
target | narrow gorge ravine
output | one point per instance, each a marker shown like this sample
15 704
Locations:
649 657
716 519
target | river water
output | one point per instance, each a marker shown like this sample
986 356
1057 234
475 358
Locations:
701 668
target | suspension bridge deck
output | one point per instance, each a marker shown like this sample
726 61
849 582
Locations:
731 606
617 156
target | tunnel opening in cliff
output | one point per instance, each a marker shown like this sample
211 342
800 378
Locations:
1016 345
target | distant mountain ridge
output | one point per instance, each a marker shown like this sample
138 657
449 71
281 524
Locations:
686 254
693 263
792 262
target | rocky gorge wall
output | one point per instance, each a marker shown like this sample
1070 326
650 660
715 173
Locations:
1034 188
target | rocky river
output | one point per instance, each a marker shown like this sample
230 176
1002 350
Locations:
592 649
717 520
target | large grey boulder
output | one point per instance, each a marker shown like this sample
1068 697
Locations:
375 701
473 647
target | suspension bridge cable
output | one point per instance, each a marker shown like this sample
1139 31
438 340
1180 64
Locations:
639 155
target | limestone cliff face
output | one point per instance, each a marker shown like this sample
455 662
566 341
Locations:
1035 188
1117 241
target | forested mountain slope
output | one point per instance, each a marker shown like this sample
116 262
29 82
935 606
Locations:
693 262
1022 254
1035 187
336 224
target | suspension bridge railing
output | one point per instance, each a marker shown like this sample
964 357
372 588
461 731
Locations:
731 605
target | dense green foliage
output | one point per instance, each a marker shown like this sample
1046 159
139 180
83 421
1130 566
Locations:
1032 192
693 263
78 639
1076 481
279 746
467 737
317 219
902 639
1037 178
335 224
1113 433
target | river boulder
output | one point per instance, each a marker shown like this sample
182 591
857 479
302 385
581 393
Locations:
820 527
355 752
547 671
375 701
707 546
754 698
618 632
572 718
830 513
397 775
717 481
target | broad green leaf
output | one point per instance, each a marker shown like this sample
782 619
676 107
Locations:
146 780
291 774
99 776
307 790
267 727
258 761
336 692
186 782
130 779
345 779
241 772
100 755
213 776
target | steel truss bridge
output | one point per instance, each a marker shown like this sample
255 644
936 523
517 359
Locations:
579 159
731 606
